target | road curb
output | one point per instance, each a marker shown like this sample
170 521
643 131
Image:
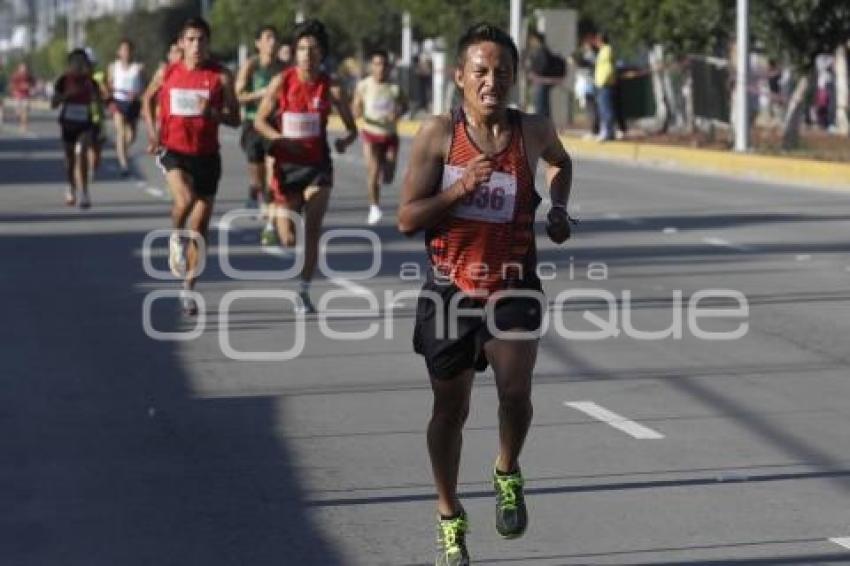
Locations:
777 169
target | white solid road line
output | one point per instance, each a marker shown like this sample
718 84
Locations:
844 541
350 286
725 243
619 422
155 191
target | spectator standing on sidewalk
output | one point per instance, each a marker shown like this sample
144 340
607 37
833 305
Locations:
545 70
604 81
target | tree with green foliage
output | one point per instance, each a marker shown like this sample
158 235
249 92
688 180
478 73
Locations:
48 62
150 31
235 22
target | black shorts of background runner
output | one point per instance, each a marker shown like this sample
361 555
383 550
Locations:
73 131
204 170
447 356
254 146
130 109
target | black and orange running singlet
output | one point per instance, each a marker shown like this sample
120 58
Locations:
486 243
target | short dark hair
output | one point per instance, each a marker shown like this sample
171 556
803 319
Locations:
263 29
79 52
196 23
311 28
482 32
380 53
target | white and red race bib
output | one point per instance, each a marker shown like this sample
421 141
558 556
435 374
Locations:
493 201
187 101
301 125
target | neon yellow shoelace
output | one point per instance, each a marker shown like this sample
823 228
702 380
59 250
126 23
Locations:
451 530
509 487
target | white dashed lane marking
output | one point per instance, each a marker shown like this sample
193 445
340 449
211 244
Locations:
611 418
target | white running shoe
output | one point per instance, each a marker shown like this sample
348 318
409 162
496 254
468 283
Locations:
70 197
375 214
177 256
188 305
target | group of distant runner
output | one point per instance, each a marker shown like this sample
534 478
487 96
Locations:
469 186
280 97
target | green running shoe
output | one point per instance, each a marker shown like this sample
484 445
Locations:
268 237
511 514
451 541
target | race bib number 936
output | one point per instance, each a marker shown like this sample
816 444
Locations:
493 201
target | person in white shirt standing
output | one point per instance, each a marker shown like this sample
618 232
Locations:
380 103
126 83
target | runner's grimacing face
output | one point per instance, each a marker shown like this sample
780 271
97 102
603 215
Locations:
486 77
195 45
266 44
308 54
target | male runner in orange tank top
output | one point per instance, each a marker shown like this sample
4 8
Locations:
470 187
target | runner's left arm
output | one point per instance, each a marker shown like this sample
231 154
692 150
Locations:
559 178
340 100
402 105
229 115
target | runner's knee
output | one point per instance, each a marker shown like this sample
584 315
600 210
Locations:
450 412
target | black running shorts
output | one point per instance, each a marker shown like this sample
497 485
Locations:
204 170
445 355
73 131
254 145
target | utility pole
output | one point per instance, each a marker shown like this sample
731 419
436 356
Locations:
742 133
70 19
516 34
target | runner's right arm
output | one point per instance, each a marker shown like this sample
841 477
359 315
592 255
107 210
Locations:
357 103
262 121
58 94
148 110
422 203
244 95
266 109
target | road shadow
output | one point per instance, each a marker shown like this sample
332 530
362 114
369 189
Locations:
107 457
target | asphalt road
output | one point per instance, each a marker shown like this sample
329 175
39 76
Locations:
121 449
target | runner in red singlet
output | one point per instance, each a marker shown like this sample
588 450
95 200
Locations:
470 187
194 95
76 94
21 86
300 100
